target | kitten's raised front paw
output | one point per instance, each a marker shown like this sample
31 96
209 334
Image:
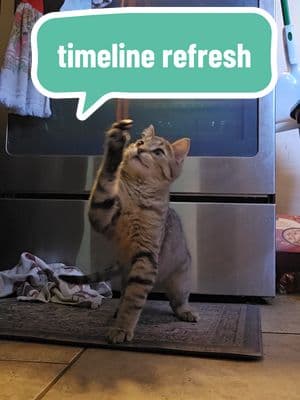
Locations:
188 316
118 133
118 335
124 124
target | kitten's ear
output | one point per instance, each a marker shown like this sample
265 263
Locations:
149 132
181 148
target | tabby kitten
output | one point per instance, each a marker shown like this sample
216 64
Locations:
129 204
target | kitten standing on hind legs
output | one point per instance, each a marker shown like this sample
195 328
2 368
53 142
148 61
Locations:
129 204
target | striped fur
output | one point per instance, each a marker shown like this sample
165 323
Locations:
129 204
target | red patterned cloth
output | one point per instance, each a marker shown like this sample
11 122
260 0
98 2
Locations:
288 233
37 4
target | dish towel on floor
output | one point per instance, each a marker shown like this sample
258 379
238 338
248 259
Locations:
33 279
17 91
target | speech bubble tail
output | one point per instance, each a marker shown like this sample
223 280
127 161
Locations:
88 104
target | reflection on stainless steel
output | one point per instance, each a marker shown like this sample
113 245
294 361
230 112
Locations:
232 244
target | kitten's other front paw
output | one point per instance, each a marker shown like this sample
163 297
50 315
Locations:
188 316
118 335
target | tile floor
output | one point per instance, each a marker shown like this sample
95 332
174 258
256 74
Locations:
35 371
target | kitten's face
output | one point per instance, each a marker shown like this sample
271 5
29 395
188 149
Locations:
154 157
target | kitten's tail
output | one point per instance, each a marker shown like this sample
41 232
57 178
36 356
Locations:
105 275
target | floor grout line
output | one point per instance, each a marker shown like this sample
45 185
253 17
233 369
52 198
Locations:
35 361
59 375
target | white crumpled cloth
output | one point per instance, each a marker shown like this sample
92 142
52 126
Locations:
17 91
33 279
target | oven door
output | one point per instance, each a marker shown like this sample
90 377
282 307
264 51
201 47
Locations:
232 150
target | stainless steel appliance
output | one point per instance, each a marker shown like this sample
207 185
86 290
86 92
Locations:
225 195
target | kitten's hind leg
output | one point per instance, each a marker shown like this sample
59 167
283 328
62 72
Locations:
178 291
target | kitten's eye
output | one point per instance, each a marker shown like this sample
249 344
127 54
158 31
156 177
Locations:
140 143
158 152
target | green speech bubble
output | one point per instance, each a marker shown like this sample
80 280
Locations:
169 53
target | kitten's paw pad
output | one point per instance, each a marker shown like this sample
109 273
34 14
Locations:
189 316
118 335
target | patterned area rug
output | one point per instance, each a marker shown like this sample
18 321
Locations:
224 330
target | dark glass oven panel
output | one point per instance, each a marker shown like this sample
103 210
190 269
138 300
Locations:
216 127
62 133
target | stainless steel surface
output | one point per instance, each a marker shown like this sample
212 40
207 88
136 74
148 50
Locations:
232 245
205 175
